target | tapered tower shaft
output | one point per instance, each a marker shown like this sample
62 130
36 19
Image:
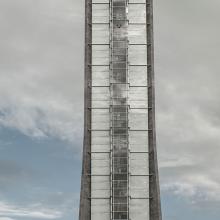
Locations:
119 173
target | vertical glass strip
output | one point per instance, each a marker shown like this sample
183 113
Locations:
119 109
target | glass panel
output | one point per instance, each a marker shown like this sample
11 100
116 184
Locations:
100 209
138 119
137 13
100 119
138 75
100 75
139 209
100 168
137 34
120 207
120 215
100 97
100 1
100 186
138 103
100 93
120 200
100 34
139 186
100 55
137 55
119 90
138 141
119 12
100 164
100 13
138 93
100 104
120 177
138 1
139 164
100 141
119 3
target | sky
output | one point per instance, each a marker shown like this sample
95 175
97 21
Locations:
41 108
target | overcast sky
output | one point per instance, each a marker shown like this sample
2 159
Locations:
41 108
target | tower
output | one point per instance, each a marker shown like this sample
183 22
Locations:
120 173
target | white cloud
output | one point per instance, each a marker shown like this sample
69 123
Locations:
187 89
189 152
197 187
41 84
35 110
41 69
175 162
30 212
6 218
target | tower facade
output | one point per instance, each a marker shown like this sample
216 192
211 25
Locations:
120 173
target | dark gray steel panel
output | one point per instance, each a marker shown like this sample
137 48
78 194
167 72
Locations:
155 204
85 202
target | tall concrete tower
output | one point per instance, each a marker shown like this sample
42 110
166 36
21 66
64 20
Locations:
120 173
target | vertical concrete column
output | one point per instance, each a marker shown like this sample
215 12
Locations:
155 204
85 203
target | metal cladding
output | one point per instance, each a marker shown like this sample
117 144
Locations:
119 174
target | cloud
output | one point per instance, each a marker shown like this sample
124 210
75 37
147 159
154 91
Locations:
41 83
198 188
6 218
11 174
187 88
41 68
30 212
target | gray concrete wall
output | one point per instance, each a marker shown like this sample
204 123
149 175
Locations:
155 204
85 207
